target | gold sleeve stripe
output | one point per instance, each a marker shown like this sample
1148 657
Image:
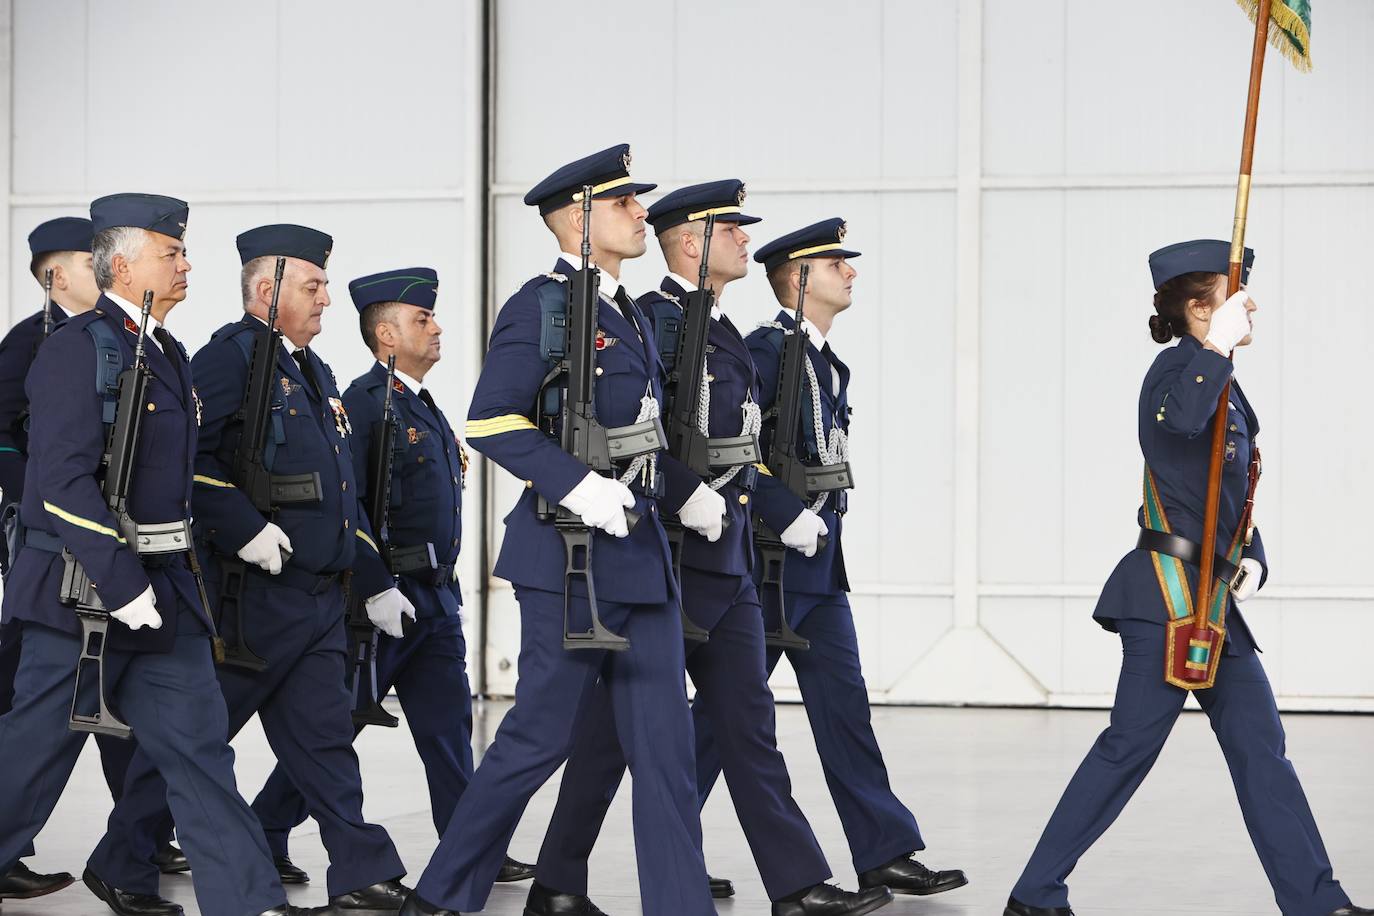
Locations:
763 469
815 249
367 540
212 482
86 523
494 426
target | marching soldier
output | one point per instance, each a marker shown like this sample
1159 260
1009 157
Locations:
719 596
290 595
882 833
157 669
1178 401
428 667
631 569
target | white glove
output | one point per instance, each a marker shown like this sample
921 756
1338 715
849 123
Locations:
269 549
141 612
1230 324
601 502
384 609
1247 588
805 532
703 512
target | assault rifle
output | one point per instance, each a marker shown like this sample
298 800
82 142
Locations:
249 472
591 443
78 592
362 635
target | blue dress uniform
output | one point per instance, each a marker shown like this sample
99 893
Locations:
428 667
1177 402
295 619
161 681
878 826
719 595
17 352
636 597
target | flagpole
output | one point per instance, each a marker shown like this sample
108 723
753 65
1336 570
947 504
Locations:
1201 632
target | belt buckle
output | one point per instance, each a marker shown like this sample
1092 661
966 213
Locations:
1239 579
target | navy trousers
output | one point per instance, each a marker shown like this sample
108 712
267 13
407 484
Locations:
732 691
1246 722
649 703
305 712
428 668
173 703
878 826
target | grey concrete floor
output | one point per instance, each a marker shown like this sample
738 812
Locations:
981 781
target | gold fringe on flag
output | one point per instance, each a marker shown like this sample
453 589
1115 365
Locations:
1288 31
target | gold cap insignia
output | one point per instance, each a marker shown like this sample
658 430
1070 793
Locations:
739 197
841 232
625 160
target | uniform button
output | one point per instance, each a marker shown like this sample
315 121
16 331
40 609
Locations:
151 407
422 459
1233 427
455 542
336 450
1199 379
345 524
455 480
345 486
744 499
292 411
598 370
529 484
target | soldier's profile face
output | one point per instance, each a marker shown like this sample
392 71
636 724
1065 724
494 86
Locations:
161 267
729 250
831 283
81 288
618 226
418 333
304 297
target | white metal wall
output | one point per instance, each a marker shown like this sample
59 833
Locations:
319 112
1004 167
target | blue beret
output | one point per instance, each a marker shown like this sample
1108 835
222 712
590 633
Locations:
66 233
608 172
285 240
818 240
723 198
411 285
141 211
1211 256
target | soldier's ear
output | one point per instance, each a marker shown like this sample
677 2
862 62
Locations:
59 275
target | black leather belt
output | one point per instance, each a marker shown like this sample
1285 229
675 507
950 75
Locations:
51 543
419 563
1185 550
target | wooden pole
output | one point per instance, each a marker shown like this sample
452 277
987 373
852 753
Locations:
1206 581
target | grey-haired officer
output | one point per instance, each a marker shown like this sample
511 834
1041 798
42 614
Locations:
158 669
424 530
292 596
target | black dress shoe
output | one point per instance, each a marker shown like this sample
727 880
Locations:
288 873
904 875
512 870
829 900
171 861
22 883
545 901
1017 908
721 887
126 904
415 905
1353 910
386 896
287 909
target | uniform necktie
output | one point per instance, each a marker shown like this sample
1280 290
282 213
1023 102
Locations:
168 344
429 401
303 360
829 355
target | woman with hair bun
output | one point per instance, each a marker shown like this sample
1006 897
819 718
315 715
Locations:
1153 584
